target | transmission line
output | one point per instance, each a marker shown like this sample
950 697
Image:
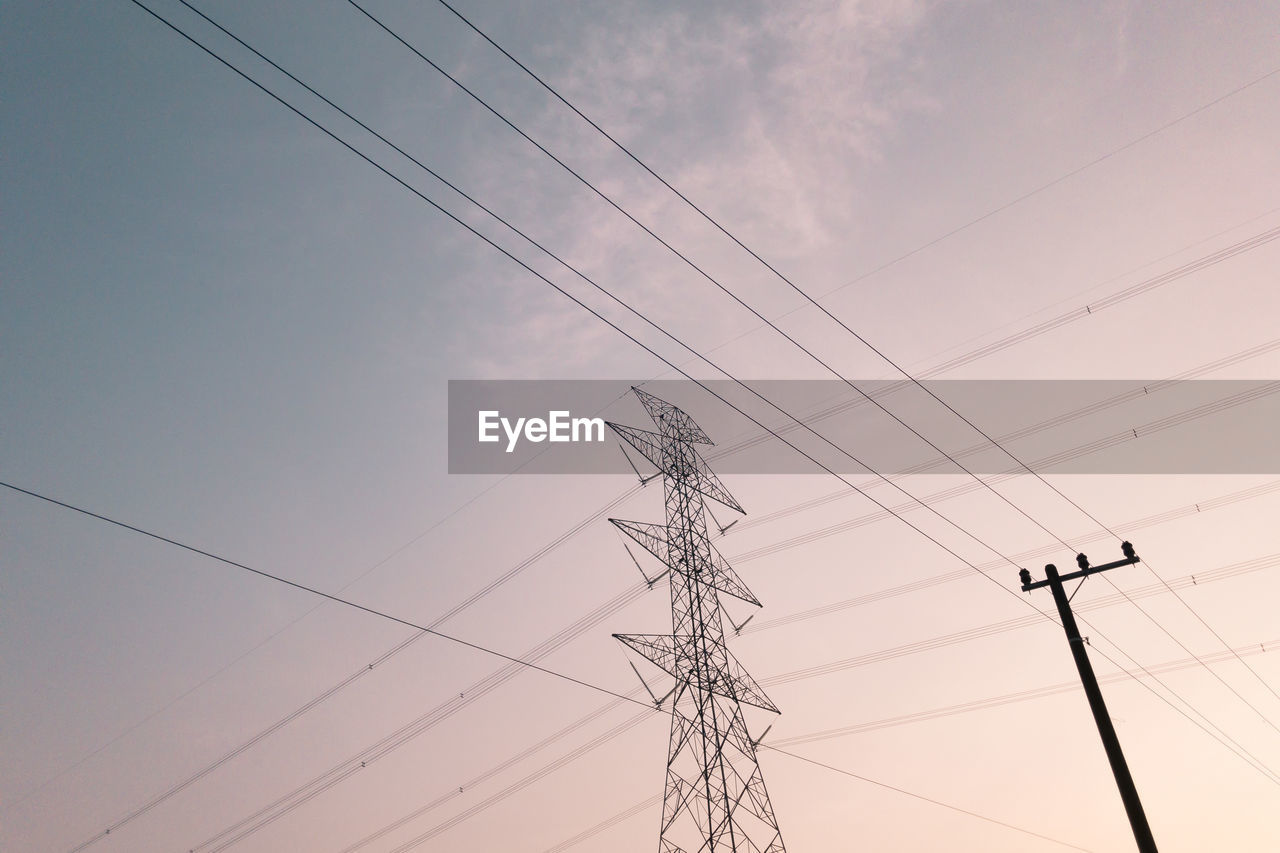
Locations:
350 766
472 691
828 734
900 258
366 757
621 147
635 340
373 611
692 265
833 409
227 666
381 168
551 255
295 584
728 450
760 316
488 774
920 716
1244 567
981 704
860 338
869 780
1019 696
596 516
242 829
1003 626
1147 285
1082 312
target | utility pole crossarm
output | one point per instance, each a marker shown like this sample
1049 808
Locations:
1130 558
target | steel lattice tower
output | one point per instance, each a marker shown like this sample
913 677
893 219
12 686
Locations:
714 800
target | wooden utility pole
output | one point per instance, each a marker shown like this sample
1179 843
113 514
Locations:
1119 768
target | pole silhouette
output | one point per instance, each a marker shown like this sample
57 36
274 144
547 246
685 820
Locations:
1110 741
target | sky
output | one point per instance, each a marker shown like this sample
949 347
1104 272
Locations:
221 326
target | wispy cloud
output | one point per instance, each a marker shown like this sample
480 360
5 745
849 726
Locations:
768 117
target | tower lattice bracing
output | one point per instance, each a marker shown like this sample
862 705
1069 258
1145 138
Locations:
714 800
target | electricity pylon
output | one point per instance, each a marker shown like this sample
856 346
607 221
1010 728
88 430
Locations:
714 800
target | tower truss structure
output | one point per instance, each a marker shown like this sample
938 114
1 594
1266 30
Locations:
714 800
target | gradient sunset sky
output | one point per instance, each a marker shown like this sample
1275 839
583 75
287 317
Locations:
219 325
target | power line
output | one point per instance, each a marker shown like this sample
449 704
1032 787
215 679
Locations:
1005 625
352 765
624 149
728 292
948 711
690 263
1079 313
373 611
366 757
1223 573
1178 252
1244 567
1104 303
573 298
815 303
728 450
318 592
621 728
277 579
1090 447
582 525
1090 308
383 169
914 795
1019 696
595 743
345 682
486 775
600 740
474 691
860 338
827 734
309 790
376 662
608 823
222 840
330 779
266 640
1204 577
794 740
1165 423
850 404
964 227
1092 408
1039 551
631 337
577 301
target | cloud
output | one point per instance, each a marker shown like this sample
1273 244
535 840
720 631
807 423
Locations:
765 115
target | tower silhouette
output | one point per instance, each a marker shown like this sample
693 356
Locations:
714 799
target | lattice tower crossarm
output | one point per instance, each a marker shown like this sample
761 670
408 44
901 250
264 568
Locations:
714 800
